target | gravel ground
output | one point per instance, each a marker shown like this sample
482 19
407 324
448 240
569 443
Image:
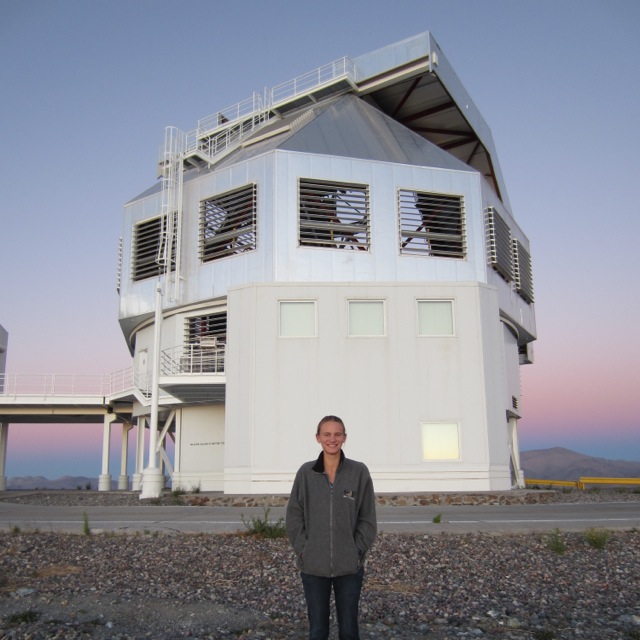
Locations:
436 586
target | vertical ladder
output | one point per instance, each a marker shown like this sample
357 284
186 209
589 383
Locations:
171 212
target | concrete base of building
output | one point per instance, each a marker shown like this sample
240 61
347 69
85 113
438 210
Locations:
136 482
152 483
104 482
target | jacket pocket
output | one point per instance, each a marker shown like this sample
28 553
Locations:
346 560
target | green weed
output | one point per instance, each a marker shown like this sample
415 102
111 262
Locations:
597 538
263 528
555 542
86 529
25 617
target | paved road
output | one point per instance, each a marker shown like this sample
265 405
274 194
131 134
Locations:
454 519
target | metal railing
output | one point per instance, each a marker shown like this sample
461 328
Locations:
238 111
218 131
180 360
582 482
344 67
55 384
193 359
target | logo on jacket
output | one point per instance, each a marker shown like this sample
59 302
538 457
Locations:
349 493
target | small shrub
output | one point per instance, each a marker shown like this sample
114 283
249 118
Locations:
23 618
15 530
437 519
176 496
88 486
597 538
195 488
544 634
86 529
262 528
555 542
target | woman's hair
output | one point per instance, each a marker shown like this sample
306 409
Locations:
331 419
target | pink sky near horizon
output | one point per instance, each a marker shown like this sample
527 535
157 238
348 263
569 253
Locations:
554 83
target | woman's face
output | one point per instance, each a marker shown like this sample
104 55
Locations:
331 437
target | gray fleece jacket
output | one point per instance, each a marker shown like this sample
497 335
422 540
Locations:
331 528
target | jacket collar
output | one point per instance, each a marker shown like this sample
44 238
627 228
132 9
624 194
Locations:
318 467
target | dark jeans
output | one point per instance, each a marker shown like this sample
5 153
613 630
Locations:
346 589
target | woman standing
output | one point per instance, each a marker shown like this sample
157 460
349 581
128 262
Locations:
331 524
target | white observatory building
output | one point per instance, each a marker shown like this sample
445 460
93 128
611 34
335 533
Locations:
340 244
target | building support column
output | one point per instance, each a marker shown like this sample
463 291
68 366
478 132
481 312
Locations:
123 479
136 478
4 437
104 480
152 478
514 446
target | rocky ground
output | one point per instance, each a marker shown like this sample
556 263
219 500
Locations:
438 587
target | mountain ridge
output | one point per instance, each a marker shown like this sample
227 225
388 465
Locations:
555 463
558 463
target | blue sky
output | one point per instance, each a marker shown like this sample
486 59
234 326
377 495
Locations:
89 86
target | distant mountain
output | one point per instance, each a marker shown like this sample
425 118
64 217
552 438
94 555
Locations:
544 464
65 482
563 464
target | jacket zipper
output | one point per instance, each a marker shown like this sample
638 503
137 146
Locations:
331 524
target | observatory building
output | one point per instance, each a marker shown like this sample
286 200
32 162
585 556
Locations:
340 244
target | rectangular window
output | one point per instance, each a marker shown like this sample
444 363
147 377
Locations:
523 271
431 224
366 318
334 215
298 319
440 441
435 318
499 246
228 223
151 242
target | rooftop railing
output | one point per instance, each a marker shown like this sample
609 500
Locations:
344 67
229 125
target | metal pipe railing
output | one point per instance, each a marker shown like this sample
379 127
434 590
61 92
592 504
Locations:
55 384
179 360
193 359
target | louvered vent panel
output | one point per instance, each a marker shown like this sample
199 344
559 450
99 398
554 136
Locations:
209 326
431 224
334 215
148 241
499 246
228 223
523 271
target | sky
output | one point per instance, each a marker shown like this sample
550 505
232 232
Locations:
89 87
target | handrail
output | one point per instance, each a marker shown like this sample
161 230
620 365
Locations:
238 111
582 482
54 384
585 480
193 359
226 126
551 483
343 67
